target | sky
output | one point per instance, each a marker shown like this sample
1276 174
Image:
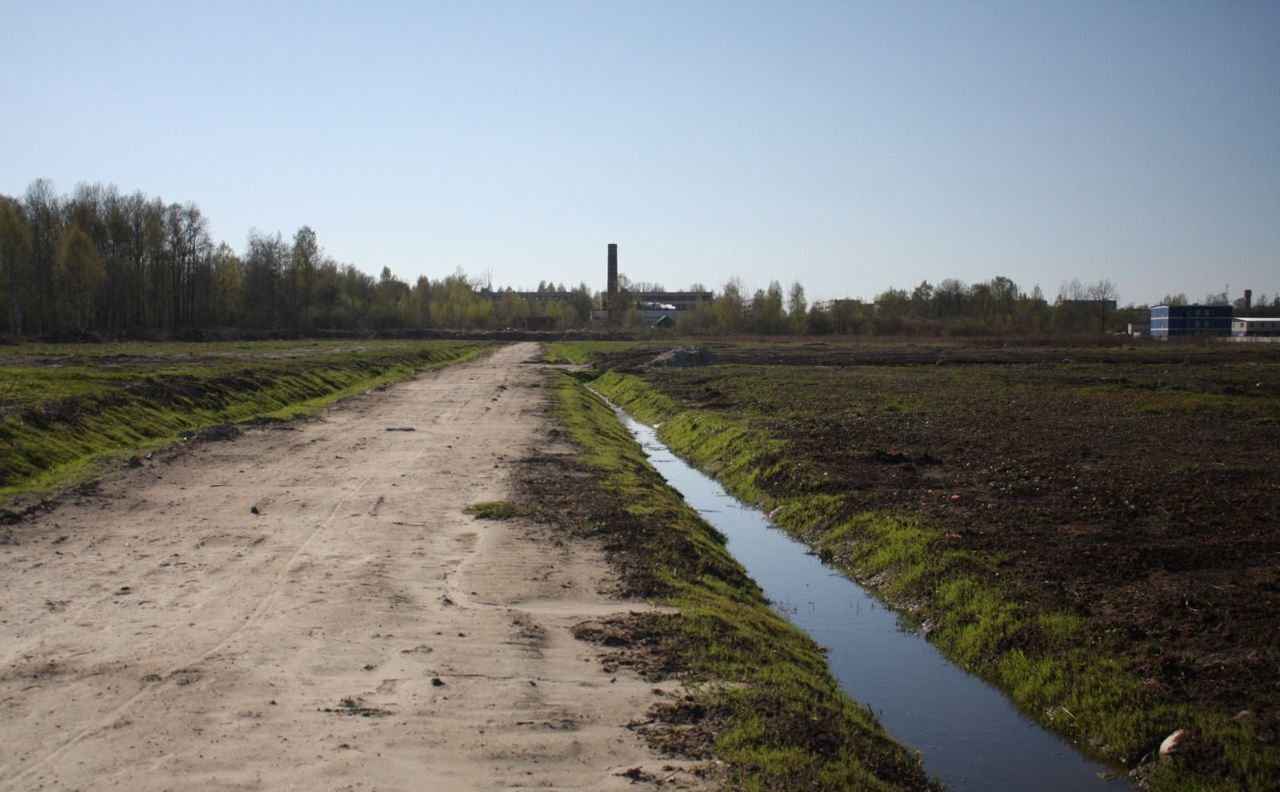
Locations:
850 146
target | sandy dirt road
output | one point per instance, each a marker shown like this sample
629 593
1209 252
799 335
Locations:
309 607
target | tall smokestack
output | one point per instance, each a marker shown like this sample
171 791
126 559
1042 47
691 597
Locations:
613 270
1248 299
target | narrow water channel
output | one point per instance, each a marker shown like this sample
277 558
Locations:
970 736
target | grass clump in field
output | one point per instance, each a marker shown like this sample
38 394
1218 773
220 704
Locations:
1051 663
63 416
760 697
577 353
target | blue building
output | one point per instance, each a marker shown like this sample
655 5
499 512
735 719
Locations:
1179 321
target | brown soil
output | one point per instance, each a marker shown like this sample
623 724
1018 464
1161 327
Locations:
1138 487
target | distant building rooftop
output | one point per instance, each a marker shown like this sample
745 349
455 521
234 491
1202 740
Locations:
704 296
543 296
1109 305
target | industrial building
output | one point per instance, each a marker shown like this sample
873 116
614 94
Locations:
1244 327
657 309
1182 321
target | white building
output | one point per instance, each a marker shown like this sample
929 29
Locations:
1258 327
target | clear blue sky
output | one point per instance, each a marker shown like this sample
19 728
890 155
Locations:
852 146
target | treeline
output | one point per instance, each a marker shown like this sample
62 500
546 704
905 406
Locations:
101 261
994 307
98 261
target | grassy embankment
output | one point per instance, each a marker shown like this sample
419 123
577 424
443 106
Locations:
1043 658
68 411
761 695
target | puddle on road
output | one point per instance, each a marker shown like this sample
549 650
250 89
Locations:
969 734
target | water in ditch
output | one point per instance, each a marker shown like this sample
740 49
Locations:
969 734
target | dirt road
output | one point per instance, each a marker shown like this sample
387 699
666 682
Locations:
309 607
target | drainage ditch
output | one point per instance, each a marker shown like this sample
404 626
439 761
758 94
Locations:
968 733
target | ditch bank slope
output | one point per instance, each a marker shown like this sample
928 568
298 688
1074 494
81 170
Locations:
758 695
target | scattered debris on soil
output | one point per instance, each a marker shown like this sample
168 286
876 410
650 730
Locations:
356 706
684 727
1169 746
642 642
212 434
684 357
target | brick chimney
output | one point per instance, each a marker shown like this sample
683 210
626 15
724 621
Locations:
613 269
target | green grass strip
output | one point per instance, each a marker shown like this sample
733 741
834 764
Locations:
90 417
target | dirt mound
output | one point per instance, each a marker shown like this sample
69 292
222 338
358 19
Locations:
684 357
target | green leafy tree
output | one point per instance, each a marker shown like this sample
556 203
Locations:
420 299
1002 297
819 321
265 263
391 302
729 306
701 319
303 263
79 275
581 301
766 310
848 317
890 312
797 307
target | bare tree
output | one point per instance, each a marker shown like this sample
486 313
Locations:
44 216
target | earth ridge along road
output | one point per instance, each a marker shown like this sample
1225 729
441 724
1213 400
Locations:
310 607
